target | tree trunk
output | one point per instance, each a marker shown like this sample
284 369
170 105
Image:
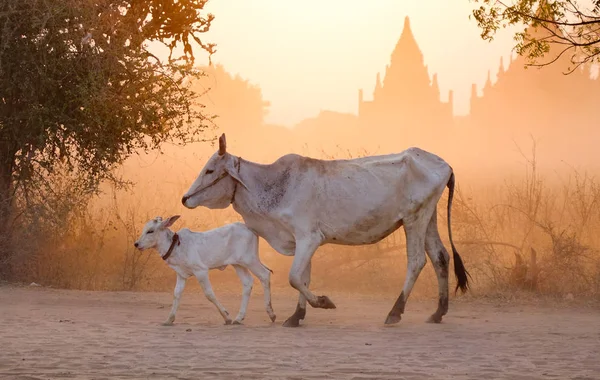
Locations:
7 162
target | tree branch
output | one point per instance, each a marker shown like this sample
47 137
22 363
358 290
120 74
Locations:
527 16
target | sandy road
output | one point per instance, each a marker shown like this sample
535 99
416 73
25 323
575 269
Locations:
59 334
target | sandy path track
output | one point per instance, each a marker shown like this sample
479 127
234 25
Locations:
58 334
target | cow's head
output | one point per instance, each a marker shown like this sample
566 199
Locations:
214 186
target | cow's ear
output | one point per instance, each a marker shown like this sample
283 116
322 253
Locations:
222 145
236 177
231 169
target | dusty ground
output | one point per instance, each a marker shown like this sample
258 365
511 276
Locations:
57 334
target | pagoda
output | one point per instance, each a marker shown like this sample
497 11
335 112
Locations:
539 101
407 100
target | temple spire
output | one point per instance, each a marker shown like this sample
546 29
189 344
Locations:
488 83
377 87
407 47
405 94
406 66
435 86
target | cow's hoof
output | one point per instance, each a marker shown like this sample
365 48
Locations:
324 302
236 322
292 321
273 317
228 321
392 319
434 318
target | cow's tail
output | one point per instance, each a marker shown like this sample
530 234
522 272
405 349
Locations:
462 276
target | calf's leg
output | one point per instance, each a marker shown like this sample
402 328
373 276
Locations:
179 286
247 282
264 276
202 277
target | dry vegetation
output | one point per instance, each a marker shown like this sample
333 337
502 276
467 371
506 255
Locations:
532 234
537 234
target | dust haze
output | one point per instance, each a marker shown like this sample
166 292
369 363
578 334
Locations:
524 157
526 217
527 208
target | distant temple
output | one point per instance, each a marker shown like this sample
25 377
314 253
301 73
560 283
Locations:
540 101
545 104
407 100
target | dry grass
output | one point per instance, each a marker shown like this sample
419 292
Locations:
497 229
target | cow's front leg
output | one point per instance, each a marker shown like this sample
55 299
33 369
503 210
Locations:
300 313
305 249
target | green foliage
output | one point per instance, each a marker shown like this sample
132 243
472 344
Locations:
566 27
78 86
80 91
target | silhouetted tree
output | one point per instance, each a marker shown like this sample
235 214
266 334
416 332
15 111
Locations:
237 103
567 26
80 91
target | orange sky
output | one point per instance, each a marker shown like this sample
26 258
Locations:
316 54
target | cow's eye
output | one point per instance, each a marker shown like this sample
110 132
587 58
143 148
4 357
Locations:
149 232
208 171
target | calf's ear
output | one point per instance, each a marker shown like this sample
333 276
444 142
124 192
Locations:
169 221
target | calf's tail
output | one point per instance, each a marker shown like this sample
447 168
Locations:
462 276
257 255
269 269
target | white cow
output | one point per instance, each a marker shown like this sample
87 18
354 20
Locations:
299 203
191 253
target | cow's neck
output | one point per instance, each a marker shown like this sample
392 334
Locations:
261 214
257 178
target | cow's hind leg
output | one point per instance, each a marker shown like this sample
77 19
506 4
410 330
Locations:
440 259
415 249
300 313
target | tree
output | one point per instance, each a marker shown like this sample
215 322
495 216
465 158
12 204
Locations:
568 27
237 103
80 91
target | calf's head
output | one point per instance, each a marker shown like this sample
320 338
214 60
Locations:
154 231
215 185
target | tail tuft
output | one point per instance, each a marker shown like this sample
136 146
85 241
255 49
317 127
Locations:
462 280
461 273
